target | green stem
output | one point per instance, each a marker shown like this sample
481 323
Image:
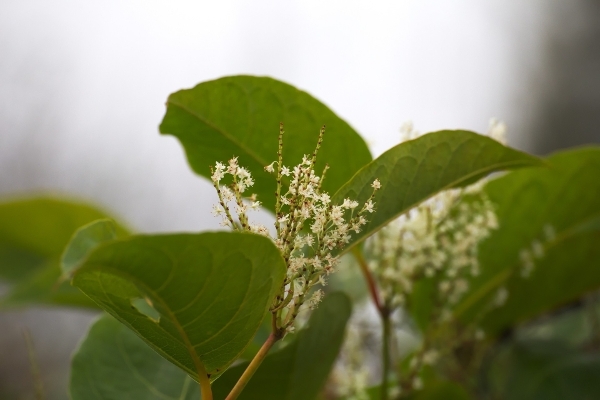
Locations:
369 279
205 389
253 366
385 354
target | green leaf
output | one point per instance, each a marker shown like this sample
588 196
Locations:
240 116
33 235
84 240
299 370
442 390
413 171
210 291
113 363
544 370
530 204
45 286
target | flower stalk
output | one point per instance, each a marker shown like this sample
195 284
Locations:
309 228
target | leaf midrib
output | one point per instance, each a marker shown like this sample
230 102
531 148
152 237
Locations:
225 134
186 341
448 186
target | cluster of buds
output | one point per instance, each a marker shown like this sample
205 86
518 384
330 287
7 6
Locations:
310 230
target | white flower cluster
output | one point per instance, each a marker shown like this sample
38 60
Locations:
309 227
439 238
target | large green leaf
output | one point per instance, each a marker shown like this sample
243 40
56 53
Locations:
113 363
415 170
564 198
208 292
544 370
33 235
240 116
299 370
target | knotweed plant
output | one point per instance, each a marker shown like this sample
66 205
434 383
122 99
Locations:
309 227
436 242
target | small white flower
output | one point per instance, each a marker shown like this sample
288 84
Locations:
242 173
376 184
349 204
217 176
217 210
227 194
255 205
316 299
285 171
233 165
269 168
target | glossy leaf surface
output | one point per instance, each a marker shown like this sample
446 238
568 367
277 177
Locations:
415 170
113 363
240 115
554 210
299 370
210 290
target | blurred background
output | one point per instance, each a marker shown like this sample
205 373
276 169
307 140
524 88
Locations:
83 86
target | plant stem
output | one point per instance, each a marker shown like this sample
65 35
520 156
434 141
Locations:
385 354
253 366
35 370
384 313
205 389
370 280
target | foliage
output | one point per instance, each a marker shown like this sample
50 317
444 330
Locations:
453 251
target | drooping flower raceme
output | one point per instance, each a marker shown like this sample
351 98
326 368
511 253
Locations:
436 241
309 227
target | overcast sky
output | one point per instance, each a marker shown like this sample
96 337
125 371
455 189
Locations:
83 84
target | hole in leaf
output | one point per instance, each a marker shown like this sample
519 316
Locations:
144 306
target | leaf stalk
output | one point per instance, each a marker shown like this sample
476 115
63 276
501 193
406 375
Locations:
254 364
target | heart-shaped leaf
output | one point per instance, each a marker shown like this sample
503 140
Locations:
547 249
239 116
114 363
415 170
209 292
299 370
